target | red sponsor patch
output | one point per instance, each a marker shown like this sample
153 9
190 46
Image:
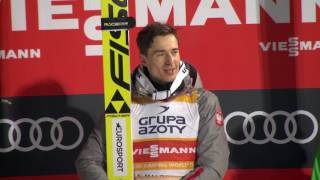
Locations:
164 150
219 118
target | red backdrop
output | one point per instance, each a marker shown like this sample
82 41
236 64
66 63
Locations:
51 48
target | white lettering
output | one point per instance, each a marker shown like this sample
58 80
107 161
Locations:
11 54
35 53
316 45
155 151
308 10
145 151
18 15
174 151
91 29
283 46
265 46
225 10
293 46
293 41
306 45
279 11
192 150
92 5
46 22
2 54
164 150
160 12
293 51
93 50
274 46
20 54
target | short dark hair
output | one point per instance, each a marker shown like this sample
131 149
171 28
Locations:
148 33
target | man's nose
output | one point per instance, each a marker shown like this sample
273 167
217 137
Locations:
169 58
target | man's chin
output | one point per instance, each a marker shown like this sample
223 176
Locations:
170 80
171 76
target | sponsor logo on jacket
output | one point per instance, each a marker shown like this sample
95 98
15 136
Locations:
162 124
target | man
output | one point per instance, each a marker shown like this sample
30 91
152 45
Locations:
177 126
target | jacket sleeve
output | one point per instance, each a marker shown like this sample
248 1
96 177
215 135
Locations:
212 148
91 162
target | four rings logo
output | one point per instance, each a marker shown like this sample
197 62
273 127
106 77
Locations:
290 127
36 134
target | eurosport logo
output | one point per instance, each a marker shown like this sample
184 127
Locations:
120 147
293 46
36 134
290 127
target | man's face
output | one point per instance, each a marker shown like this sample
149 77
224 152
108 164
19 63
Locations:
162 59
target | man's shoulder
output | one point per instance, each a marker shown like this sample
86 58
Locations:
206 95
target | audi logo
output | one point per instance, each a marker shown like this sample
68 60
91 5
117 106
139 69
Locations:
35 139
290 131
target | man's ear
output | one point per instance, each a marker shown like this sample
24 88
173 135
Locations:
143 59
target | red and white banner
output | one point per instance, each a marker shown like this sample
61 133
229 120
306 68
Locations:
50 51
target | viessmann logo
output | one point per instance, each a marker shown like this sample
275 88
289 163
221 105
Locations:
293 46
155 150
161 123
270 129
29 53
63 16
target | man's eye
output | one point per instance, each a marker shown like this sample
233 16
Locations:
175 52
